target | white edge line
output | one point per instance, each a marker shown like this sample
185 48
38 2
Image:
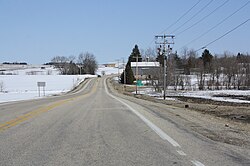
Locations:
181 153
156 129
197 163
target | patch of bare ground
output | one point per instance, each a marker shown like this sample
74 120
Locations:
239 112
219 121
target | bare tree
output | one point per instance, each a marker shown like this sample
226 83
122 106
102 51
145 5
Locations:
88 63
229 66
66 65
71 58
189 60
60 62
184 53
243 74
200 75
187 83
217 72
178 81
59 59
148 55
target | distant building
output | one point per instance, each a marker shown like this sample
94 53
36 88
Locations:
110 65
146 69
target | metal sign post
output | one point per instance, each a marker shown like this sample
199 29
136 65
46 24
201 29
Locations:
41 84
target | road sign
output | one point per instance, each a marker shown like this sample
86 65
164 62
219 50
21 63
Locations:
139 83
41 84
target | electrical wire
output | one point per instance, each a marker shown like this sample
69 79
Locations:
194 15
181 17
177 20
203 18
223 35
209 30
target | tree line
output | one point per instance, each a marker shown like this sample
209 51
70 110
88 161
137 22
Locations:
190 71
212 72
85 63
15 63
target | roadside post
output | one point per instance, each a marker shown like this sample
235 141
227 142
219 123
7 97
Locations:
41 84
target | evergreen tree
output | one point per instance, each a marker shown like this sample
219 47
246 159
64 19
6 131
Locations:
129 73
207 60
135 53
160 57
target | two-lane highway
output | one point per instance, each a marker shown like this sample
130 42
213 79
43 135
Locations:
95 127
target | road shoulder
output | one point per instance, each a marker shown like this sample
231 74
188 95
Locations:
215 128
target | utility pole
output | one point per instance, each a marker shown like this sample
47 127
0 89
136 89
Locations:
124 72
164 40
136 71
118 61
118 72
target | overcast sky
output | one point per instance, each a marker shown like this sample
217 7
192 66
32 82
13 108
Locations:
35 31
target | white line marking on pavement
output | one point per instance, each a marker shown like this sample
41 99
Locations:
181 153
161 133
156 129
197 163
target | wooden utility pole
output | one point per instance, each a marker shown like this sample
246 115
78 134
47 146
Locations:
124 72
136 73
164 40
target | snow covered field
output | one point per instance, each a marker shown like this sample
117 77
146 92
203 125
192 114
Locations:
23 86
28 70
108 70
236 96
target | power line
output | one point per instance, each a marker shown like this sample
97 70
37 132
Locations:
203 18
177 20
223 35
209 30
181 17
194 15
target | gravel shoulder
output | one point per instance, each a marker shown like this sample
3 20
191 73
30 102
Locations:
224 123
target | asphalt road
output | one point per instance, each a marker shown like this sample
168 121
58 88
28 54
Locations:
95 126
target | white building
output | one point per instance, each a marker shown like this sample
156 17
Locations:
146 69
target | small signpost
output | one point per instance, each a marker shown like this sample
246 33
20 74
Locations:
41 84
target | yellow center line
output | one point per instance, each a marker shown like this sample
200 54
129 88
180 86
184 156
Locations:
31 114
41 110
